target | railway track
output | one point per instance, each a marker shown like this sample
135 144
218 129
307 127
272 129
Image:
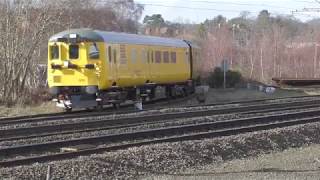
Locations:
154 105
125 109
168 134
117 123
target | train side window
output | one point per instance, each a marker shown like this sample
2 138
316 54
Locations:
73 51
166 57
144 56
109 54
148 56
54 51
173 57
115 56
152 57
158 56
133 56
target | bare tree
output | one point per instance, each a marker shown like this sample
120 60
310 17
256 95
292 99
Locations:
26 25
22 28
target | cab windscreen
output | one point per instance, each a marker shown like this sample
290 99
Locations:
73 51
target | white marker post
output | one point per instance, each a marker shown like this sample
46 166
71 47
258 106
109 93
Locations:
138 105
48 173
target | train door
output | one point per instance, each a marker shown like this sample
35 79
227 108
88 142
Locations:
112 57
115 64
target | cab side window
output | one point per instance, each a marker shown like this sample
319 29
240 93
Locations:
54 51
93 51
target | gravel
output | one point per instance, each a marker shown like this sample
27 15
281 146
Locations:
170 158
136 114
115 116
173 122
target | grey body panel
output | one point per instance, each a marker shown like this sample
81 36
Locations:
78 102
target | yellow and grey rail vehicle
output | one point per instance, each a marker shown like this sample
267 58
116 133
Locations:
91 68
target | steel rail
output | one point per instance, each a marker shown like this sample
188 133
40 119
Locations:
125 121
134 124
146 133
86 113
125 109
32 133
198 130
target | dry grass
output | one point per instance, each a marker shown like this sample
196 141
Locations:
242 94
20 110
222 95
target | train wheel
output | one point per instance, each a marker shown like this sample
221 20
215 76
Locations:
116 105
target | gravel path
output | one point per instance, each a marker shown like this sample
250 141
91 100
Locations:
170 158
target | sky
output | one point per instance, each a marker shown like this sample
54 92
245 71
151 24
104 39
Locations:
196 11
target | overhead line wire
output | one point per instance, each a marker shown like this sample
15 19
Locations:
204 9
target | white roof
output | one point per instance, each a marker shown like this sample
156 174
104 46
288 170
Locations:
120 38
114 37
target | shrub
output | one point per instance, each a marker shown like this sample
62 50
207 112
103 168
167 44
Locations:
215 79
233 78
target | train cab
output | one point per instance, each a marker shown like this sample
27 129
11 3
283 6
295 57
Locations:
74 66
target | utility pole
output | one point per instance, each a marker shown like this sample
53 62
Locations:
225 68
315 60
231 57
